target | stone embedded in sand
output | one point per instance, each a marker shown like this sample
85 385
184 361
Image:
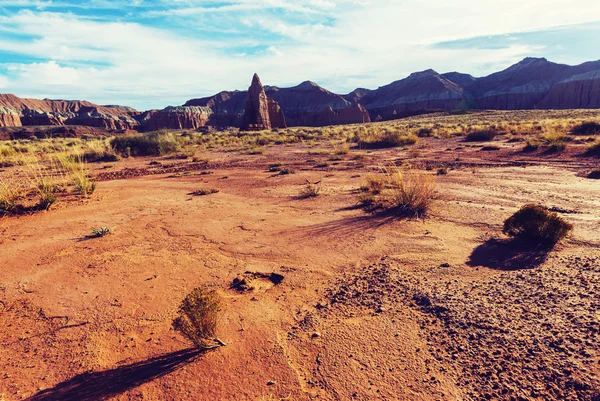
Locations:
261 112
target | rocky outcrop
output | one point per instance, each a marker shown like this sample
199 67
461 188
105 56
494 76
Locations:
421 92
533 83
184 117
308 104
579 91
261 112
32 112
524 85
353 114
9 117
227 107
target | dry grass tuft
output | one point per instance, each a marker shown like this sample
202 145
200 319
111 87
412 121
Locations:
404 192
311 189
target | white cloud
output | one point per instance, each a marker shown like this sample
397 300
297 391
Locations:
344 44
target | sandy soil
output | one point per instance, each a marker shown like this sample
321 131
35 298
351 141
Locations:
369 307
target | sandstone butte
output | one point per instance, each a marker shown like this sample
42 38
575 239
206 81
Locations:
261 112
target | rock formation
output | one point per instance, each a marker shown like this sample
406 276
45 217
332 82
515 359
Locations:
419 93
533 83
261 112
184 117
15 111
579 91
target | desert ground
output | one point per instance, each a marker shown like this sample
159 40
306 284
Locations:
338 303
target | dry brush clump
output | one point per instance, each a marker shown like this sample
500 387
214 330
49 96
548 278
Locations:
404 192
535 225
311 190
198 317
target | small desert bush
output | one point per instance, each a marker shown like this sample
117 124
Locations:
153 143
100 232
531 146
100 155
198 317
404 192
594 174
311 189
386 138
490 148
536 225
480 136
556 141
424 132
286 171
586 128
594 149
205 191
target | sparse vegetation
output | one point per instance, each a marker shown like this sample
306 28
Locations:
311 189
480 136
594 149
536 225
403 192
386 138
153 143
101 232
490 148
286 171
594 174
586 128
205 191
198 318
531 145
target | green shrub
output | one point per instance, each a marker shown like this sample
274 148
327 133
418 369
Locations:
531 146
536 225
100 155
425 132
385 139
586 128
153 143
480 136
198 317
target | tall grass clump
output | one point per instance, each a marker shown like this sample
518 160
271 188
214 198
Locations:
404 192
153 143
384 138
198 318
11 193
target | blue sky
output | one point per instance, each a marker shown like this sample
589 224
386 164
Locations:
154 53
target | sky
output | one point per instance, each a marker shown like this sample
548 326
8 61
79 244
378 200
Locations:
154 53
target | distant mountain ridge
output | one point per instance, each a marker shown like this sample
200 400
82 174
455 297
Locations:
533 83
